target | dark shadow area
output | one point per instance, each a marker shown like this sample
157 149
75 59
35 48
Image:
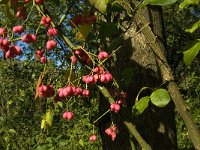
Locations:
156 125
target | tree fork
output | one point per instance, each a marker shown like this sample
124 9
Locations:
167 76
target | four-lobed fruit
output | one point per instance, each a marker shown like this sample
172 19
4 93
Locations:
43 59
52 32
115 107
45 21
18 29
112 132
86 93
103 55
51 44
93 138
73 59
68 115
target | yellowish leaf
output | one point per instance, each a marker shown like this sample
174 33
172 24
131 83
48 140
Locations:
83 31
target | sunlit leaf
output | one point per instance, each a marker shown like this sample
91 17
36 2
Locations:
101 5
83 31
12 131
159 2
185 3
191 53
160 97
81 142
194 27
43 123
49 117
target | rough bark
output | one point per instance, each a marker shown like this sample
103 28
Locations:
157 126
167 76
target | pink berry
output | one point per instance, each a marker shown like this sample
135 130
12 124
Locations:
2 31
43 59
18 29
86 93
40 53
73 59
93 138
51 44
108 131
61 93
113 135
52 32
103 55
117 108
68 115
39 2
26 1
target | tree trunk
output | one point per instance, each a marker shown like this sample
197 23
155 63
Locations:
156 125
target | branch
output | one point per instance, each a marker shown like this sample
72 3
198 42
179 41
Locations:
167 76
132 129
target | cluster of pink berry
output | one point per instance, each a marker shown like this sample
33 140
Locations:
46 91
79 20
29 38
11 51
99 75
70 91
112 132
21 11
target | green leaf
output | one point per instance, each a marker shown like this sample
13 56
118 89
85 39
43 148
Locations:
127 75
10 102
49 117
83 32
194 27
101 5
160 97
159 2
191 53
12 131
185 3
81 142
43 123
142 104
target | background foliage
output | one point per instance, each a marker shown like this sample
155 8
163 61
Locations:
20 118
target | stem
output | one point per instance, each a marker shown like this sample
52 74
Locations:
101 116
70 73
132 129
29 13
